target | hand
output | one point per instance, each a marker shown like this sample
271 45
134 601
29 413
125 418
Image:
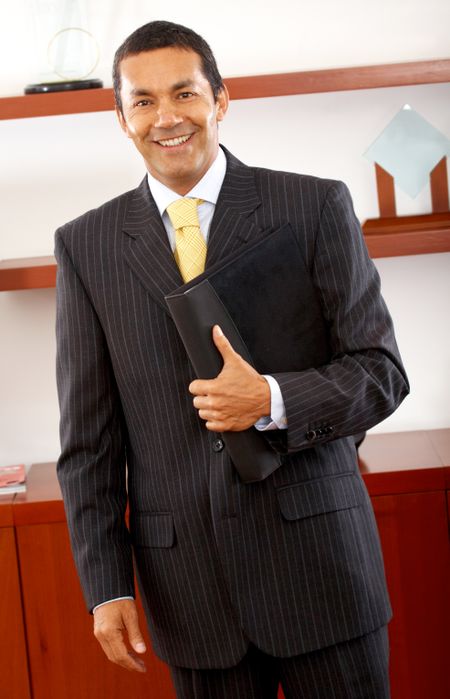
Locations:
109 622
237 398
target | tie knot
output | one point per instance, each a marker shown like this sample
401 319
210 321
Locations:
183 212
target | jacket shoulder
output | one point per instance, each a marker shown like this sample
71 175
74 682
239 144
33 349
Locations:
304 181
97 219
279 179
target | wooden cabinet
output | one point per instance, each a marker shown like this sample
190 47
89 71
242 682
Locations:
414 536
64 657
13 657
408 477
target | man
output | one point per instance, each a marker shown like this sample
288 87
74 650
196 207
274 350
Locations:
244 585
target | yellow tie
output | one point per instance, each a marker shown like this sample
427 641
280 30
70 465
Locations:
190 246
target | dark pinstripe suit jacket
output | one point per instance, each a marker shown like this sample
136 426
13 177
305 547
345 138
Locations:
292 563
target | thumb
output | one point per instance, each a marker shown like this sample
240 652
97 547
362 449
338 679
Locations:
222 343
134 633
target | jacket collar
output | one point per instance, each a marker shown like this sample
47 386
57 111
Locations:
146 246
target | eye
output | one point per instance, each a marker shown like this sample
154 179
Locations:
142 103
185 95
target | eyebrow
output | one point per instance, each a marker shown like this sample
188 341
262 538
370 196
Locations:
140 91
183 83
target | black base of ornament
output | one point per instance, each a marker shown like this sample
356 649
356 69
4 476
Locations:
63 86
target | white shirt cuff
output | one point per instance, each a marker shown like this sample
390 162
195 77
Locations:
108 601
277 419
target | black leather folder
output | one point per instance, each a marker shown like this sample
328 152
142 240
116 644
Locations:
243 294
195 312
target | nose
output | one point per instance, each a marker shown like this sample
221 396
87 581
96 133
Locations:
167 116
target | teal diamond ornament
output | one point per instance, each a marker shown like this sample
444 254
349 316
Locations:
408 149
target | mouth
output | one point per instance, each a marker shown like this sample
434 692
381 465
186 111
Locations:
172 142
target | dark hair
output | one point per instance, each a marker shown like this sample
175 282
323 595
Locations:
161 34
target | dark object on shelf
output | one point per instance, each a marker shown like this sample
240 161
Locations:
63 86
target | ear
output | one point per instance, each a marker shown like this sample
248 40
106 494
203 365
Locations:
222 101
122 122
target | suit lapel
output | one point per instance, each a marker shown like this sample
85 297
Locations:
146 246
232 225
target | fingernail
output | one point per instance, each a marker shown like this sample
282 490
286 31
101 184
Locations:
219 330
140 648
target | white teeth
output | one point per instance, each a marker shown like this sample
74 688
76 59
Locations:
174 141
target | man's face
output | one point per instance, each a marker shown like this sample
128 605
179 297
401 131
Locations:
171 115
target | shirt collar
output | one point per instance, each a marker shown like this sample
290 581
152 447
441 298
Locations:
207 188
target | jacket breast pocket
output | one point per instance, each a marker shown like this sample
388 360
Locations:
321 496
153 530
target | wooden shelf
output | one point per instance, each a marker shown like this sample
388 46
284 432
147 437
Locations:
41 503
28 273
407 235
339 79
247 87
406 462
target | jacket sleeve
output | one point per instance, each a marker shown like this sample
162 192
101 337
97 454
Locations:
364 381
91 468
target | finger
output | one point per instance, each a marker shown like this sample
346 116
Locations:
115 649
228 424
202 402
201 387
122 656
222 343
135 636
210 415
217 425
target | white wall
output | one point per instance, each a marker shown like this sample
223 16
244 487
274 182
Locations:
55 168
247 36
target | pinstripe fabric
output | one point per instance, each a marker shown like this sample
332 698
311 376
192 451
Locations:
292 563
354 669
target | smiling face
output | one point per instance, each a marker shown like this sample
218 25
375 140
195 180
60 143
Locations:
170 114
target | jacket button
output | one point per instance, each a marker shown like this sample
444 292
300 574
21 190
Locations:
218 445
328 430
310 435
